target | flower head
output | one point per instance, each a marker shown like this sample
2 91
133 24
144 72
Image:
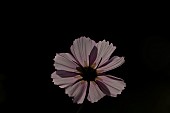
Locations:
82 73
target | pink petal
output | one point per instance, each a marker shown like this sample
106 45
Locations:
111 64
93 55
115 86
63 82
95 93
102 87
78 91
113 77
64 74
104 51
65 61
81 49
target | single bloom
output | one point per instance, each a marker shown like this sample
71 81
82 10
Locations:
82 73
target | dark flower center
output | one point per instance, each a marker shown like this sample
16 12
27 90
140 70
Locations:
88 73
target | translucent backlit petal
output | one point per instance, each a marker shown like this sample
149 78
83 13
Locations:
64 74
115 86
111 64
93 55
104 52
95 93
77 91
65 61
63 82
81 50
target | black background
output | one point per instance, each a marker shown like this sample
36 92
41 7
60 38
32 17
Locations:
30 40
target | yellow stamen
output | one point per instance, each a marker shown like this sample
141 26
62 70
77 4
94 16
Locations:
97 78
82 81
93 82
93 65
99 71
85 63
78 77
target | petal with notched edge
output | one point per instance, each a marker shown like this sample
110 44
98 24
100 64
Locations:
81 50
115 86
111 64
95 93
65 61
77 91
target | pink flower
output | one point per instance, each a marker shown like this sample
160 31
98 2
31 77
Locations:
82 73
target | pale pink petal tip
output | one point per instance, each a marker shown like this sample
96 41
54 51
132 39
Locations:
114 86
77 91
63 82
95 94
105 50
112 63
65 61
81 49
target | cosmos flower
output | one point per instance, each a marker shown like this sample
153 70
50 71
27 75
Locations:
82 73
